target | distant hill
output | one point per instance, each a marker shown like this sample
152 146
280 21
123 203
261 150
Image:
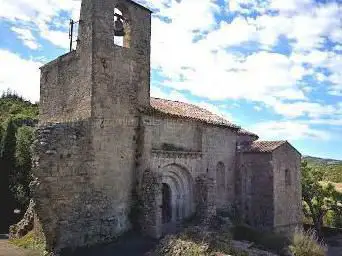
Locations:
318 160
332 168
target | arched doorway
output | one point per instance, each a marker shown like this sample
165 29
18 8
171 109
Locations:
166 206
177 197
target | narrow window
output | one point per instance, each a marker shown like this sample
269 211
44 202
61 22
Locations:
121 28
287 177
220 180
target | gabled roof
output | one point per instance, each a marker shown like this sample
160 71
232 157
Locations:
263 146
188 111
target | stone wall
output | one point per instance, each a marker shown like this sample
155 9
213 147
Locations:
176 134
219 146
62 188
177 148
65 89
256 189
287 196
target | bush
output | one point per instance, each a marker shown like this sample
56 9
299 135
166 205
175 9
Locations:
31 241
306 243
195 241
176 246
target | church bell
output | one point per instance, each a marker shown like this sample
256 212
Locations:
119 28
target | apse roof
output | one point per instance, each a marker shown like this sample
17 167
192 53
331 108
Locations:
263 146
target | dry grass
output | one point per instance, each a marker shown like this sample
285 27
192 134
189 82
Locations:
31 241
306 243
338 187
196 242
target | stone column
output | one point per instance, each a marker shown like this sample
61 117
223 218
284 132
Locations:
205 197
150 204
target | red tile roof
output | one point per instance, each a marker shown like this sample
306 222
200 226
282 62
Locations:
263 146
248 133
189 111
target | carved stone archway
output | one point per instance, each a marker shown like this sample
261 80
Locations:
181 185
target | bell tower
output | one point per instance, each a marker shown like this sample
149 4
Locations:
114 38
89 115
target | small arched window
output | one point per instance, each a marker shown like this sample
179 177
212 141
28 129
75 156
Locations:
288 177
122 31
220 179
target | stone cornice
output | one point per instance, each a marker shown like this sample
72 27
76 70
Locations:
176 154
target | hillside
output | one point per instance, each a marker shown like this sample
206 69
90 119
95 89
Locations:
332 168
20 110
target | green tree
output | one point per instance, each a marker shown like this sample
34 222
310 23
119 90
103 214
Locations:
7 156
24 138
318 198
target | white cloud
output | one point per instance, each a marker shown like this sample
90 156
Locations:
27 37
301 108
290 5
19 75
40 14
275 130
58 38
247 6
337 121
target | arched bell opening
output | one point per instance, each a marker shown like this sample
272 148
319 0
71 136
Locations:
122 30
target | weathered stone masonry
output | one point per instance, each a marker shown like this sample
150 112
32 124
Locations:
106 152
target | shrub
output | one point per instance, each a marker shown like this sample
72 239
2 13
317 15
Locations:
195 241
175 246
31 241
306 243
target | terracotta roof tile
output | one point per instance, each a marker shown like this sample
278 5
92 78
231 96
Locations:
248 133
263 146
188 111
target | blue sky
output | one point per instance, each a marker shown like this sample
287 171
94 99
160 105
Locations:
272 66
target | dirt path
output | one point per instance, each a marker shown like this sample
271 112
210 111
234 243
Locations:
7 249
129 244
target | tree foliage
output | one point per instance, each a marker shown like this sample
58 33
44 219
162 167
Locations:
7 156
17 119
23 177
318 198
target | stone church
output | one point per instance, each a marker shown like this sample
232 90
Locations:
108 157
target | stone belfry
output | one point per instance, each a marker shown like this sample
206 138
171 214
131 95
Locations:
89 114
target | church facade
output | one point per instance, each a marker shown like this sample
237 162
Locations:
109 157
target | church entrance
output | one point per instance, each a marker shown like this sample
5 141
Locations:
166 205
177 200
